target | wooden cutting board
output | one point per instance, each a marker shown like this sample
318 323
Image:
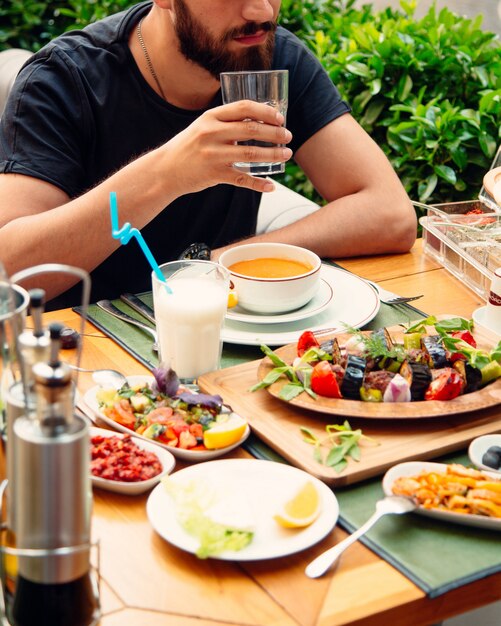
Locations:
278 424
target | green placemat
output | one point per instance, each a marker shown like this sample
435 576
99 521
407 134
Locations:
436 556
138 343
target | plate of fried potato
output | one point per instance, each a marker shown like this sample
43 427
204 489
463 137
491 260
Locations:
449 492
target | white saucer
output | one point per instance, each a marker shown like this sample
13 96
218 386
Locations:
316 305
354 303
478 317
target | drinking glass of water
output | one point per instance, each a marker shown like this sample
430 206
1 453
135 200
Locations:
269 87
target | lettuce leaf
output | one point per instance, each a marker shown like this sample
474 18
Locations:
193 503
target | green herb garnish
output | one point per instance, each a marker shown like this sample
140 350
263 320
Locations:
342 443
297 384
375 346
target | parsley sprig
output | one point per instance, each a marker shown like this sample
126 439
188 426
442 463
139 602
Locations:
299 375
342 443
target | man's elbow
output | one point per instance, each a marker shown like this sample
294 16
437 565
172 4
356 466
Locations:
401 229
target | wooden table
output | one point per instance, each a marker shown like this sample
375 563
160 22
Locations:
147 582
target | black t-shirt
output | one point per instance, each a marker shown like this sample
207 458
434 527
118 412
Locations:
80 110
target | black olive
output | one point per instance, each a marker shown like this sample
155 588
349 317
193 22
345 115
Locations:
492 458
69 338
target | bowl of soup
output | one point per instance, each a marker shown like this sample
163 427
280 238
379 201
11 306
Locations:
272 277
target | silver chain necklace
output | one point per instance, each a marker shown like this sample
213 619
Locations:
148 60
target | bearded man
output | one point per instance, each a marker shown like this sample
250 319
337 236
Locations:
132 104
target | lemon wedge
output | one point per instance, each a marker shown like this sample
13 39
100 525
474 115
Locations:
301 510
232 299
225 432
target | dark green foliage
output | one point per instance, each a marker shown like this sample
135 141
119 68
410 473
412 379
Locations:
428 91
30 24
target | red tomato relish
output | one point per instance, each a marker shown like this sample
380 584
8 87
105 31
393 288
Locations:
119 458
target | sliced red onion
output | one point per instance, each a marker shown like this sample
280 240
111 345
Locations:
398 390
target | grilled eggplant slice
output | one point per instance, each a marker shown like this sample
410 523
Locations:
353 377
385 362
418 375
332 347
471 375
432 344
384 336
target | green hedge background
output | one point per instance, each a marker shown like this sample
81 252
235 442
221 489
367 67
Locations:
427 90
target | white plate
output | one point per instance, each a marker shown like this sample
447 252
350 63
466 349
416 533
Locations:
315 306
164 456
90 399
354 302
413 468
479 446
265 484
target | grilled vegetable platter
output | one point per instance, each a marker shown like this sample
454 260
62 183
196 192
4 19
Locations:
431 368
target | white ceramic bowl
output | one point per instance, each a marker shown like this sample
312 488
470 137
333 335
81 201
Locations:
479 446
134 488
273 295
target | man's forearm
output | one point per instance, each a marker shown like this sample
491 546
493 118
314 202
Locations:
351 226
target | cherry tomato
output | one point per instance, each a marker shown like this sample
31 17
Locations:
160 415
122 413
196 429
305 342
465 336
446 386
178 425
324 381
187 440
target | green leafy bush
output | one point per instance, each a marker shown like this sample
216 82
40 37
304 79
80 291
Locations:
30 24
428 91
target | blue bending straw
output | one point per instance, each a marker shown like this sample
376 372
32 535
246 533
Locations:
125 234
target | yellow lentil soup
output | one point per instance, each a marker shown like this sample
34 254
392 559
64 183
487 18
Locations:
270 268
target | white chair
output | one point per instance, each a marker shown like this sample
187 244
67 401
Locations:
11 61
281 207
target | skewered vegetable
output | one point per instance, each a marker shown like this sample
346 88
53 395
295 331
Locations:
373 367
432 344
418 376
353 377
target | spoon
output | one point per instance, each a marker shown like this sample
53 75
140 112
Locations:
389 504
104 377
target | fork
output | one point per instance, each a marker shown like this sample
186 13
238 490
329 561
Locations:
389 297
110 308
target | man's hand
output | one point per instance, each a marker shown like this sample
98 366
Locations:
204 153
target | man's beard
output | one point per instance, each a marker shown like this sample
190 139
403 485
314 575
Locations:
199 46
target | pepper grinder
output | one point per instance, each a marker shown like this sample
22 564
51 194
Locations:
33 346
52 500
